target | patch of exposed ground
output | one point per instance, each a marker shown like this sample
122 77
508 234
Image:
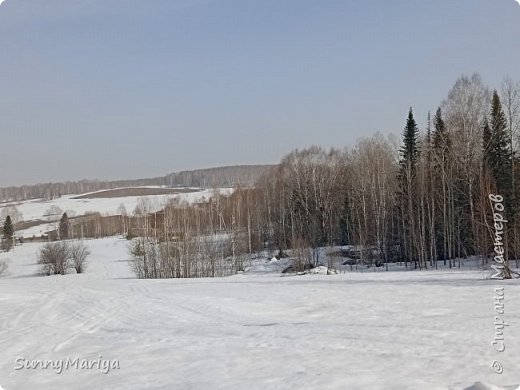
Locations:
137 191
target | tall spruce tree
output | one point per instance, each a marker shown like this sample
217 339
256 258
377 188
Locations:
498 157
64 227
8 234
407 188
410 150
440 137
497 154
8 228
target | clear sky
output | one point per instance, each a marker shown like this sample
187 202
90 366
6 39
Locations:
114 89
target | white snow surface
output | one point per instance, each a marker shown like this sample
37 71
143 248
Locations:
372 330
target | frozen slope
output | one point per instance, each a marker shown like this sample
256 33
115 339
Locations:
408 330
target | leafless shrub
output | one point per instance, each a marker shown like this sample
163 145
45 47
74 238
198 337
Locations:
216 257
54 258
78 253
191 257
332 259
302 255
139 262
210 252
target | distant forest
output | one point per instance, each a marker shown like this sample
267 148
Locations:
228 176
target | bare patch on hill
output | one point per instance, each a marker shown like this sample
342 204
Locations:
136 191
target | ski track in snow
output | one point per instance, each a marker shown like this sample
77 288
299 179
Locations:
395 330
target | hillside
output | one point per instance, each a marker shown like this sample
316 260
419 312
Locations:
41 215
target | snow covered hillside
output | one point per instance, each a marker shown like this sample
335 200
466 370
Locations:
43 210
372 330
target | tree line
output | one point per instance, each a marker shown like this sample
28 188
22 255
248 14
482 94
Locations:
422 200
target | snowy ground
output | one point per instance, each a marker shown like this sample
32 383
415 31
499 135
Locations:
370 330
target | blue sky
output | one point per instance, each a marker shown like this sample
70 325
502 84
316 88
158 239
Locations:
124 88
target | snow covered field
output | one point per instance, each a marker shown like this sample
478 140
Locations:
371 330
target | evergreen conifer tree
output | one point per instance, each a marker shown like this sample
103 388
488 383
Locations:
8 234
64 227
8 228
497 154
407 187
410 150
440 137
